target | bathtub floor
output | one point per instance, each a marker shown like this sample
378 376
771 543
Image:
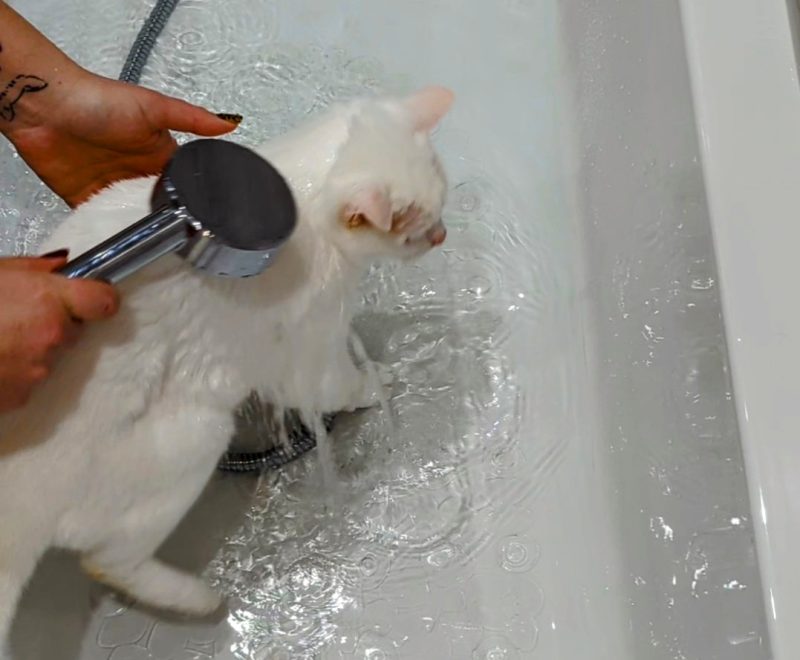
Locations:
484 521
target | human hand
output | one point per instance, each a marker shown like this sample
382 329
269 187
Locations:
40 312
78 131
91 131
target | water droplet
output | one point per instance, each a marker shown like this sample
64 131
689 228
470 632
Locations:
496 647
517 554
661 529
369 565
479 286
468 202
745 638
191 39
466 197
45 199
702 283
442 557
734 585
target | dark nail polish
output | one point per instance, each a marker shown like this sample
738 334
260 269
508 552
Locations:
231 118
56 254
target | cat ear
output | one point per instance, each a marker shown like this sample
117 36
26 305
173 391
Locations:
428 106
370 205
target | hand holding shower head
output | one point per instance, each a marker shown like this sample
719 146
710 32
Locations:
218 205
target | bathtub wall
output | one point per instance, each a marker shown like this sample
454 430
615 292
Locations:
670 429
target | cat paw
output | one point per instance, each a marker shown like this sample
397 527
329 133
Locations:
374 388
159 585
198 599
385 373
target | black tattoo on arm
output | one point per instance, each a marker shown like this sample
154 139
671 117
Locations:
15 89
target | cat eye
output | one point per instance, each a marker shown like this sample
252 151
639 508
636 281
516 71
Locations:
404 220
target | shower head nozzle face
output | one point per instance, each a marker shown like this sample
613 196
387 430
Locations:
239 206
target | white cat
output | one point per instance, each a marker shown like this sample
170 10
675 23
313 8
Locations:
112 451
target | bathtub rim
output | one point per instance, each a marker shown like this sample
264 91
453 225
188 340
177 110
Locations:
747 106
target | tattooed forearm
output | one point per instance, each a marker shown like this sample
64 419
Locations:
15 89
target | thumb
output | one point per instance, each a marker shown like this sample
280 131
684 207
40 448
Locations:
181 116
88 300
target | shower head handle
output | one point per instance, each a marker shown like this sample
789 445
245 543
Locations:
220 206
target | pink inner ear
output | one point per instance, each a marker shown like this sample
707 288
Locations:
374 205
428 106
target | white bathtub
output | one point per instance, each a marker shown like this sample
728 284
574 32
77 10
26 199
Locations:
567 480
747 99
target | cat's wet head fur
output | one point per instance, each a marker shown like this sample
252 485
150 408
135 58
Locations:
386 190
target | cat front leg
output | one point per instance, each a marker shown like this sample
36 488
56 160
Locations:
347 387
374 387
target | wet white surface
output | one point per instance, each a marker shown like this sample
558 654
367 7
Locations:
564 478
758 263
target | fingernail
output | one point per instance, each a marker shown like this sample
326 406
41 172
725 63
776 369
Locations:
111 306
231 118
56 254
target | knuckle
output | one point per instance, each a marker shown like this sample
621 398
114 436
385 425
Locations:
48 304
41 300
52 332
40 289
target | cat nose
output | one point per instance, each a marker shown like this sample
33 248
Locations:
436 234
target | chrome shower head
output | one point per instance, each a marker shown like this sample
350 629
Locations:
218 205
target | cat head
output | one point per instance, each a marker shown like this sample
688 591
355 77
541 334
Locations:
387 186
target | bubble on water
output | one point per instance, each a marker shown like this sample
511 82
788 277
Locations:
479 286
517 554
495 647
368 565
442 556
372 645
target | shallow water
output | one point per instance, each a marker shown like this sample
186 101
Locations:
514 506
